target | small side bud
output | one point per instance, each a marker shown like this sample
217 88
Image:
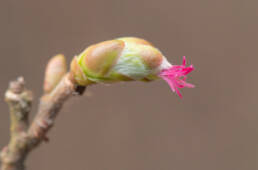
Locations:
56 69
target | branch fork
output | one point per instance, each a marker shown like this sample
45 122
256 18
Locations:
59 85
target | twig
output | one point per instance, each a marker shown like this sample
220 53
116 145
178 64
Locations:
50 105
19 100
24 138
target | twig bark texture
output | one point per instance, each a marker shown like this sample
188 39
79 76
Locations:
24 137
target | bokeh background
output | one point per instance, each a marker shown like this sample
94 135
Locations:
142 126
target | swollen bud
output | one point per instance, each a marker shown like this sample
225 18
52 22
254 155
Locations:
55 70
126 59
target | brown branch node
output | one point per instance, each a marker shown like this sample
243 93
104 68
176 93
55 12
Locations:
25 138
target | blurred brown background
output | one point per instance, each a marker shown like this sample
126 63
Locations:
142 126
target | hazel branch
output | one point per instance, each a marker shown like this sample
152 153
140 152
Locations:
50 105
19 100
25 138
123 59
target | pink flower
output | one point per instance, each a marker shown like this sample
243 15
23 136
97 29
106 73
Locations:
175 76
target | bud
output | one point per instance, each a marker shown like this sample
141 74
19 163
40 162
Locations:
56 69
127 59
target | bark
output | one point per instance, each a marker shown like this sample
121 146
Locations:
24 137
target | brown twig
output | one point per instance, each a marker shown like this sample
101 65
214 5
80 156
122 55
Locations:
50 105
25 138
19 100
